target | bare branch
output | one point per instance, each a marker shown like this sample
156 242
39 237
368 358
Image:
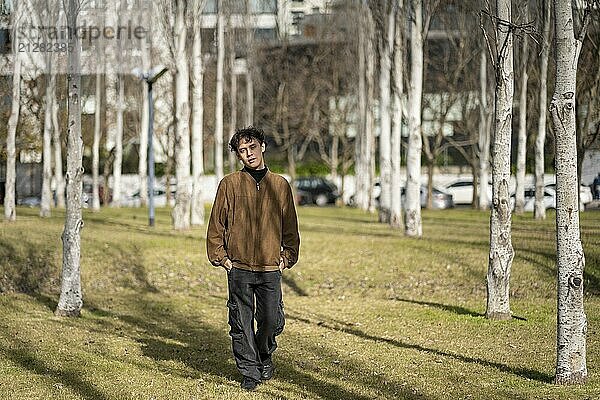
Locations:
527 28
487 40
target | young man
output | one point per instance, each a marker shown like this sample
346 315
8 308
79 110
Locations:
253 235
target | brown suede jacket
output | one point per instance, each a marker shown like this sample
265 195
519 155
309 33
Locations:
253 224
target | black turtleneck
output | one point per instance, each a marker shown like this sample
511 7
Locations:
257 174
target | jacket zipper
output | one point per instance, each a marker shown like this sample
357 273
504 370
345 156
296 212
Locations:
256 236
258 208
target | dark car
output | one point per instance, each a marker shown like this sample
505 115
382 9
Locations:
303 198
315 190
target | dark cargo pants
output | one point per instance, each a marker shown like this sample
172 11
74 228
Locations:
254 295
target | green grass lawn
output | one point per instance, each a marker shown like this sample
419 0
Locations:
369 313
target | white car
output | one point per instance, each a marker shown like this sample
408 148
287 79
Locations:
462 191
549 199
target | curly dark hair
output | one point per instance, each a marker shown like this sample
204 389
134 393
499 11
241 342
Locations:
246 134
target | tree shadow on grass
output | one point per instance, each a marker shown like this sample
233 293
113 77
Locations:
130 270
591 272
44 299
445 307
346 370
472 244
26 267
308 227
454 309
138 227
127 268
343 327
165 337
69 378
207 349
359 219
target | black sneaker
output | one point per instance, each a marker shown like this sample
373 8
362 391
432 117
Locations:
267 371
249 383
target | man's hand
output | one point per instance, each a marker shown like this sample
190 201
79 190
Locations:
281 264
227 265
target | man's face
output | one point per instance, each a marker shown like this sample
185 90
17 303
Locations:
251 153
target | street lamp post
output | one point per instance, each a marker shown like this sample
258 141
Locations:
150 77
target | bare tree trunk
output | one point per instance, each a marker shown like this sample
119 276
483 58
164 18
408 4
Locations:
484 133
233 94
385 151
372 149
522 141
540 140
58 163
370 146
361 195
501 250
397 90
364 149
119 111
55 133
197 120
105 176
430 166
429 160
333 155
219 95
70 301
170 151
249 98
45 203
289 146
98 130
145 120
475 174
291 163
413 157
182 209
111 96
118 163
249 114
10 212
572 323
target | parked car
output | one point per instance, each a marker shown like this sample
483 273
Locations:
440 199
315 190
549 199
462 191
303 198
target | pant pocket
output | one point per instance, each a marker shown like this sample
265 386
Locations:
280 319
234 318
